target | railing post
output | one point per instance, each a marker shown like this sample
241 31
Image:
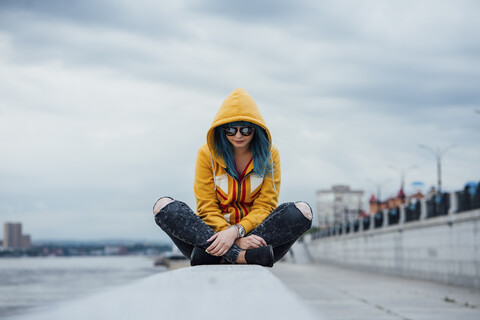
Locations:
347 221
453 203
385 217
423 209
401 219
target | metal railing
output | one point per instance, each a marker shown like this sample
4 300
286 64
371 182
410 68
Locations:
438 205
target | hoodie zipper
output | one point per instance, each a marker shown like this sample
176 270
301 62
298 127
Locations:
239 184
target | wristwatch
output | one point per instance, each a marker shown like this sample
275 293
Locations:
241 230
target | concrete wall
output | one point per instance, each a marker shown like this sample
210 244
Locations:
444 249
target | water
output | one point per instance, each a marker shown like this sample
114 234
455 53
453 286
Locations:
27 284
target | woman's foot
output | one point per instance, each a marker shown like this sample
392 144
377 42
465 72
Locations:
262 256
199 257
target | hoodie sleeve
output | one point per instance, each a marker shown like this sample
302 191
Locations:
208 208
267 199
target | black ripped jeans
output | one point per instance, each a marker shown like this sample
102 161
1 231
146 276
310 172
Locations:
280 229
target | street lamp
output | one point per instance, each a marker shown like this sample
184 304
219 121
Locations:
402 172
378 187
438 154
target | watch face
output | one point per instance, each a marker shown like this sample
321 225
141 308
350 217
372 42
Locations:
241 231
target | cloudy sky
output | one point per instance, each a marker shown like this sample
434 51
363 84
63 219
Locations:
103 104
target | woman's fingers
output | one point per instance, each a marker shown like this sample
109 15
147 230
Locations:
259 240
215 251
258 244
251 242
222 251
219 250
255 241
222 241
212 237
213 245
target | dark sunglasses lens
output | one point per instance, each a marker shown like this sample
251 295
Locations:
246 131
230 131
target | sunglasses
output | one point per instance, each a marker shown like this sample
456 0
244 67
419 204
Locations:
245 131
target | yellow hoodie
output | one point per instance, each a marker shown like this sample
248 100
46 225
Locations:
222 200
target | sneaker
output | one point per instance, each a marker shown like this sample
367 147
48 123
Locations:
262 256
199 257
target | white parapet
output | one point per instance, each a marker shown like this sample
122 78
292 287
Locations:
444 249
196 293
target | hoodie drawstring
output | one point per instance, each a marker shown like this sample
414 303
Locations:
273 175
214 176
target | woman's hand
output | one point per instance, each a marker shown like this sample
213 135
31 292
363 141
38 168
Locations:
250 242
222 241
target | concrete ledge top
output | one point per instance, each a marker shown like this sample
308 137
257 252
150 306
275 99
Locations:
202 292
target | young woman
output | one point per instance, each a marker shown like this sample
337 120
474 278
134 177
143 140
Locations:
237 183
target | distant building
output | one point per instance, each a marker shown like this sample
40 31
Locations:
12 235
13 238
26 242
337 205
115 250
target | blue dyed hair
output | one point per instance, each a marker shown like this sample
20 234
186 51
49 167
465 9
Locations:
260 147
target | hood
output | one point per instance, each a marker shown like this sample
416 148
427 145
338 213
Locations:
238 106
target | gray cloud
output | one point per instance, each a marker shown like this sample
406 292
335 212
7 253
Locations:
253 11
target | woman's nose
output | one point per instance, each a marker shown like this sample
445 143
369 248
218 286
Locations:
238 134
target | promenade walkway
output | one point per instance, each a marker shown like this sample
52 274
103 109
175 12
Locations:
341 294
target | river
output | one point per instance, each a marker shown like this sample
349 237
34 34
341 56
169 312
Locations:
27 284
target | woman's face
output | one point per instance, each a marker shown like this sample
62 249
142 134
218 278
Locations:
240 141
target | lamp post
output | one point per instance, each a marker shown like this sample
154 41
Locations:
402 172
378 187
438 154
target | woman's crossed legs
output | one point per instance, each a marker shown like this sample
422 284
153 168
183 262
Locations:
187 230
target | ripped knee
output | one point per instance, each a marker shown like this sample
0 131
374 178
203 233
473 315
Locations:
160 204
304 209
